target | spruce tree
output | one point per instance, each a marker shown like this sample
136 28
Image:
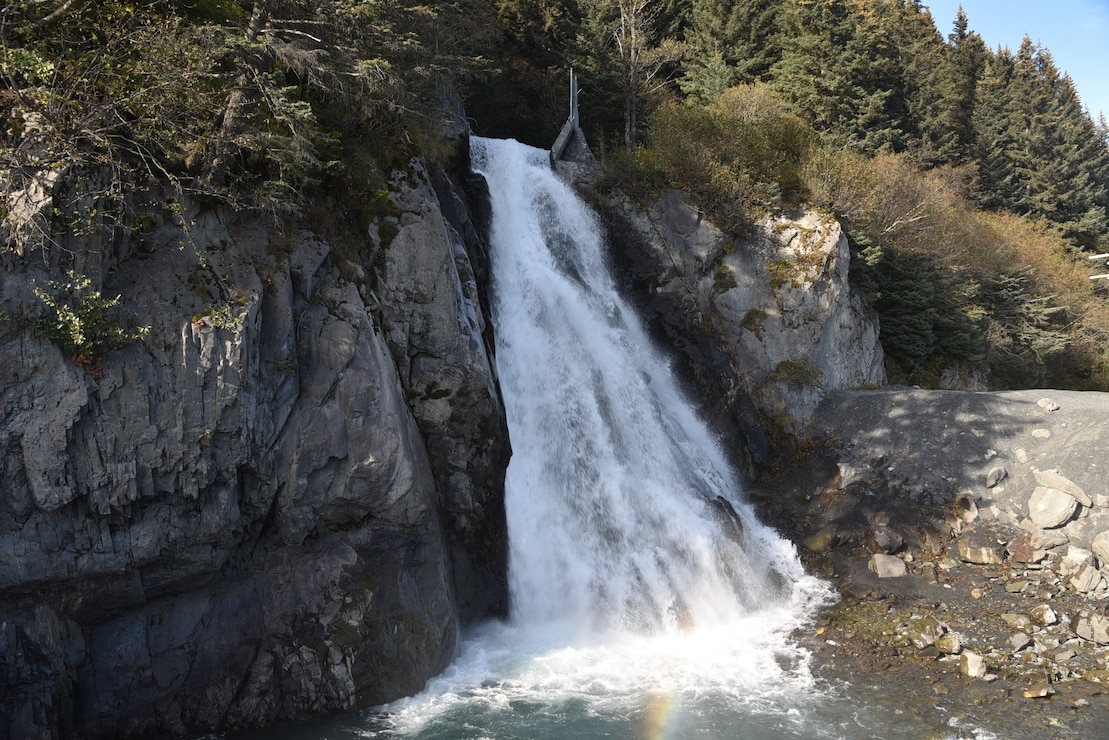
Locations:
1057 160
729 42
841 71
950 134
998 135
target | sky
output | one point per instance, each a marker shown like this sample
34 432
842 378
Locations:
1076 32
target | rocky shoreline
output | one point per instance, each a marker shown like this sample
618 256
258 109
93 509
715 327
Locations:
968 536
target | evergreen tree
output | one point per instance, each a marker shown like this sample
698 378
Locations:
906 304
920 63
841 72
951 134
1024 331
810 74
997 135
729 42
1056 158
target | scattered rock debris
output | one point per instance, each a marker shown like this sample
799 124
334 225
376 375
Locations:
996 613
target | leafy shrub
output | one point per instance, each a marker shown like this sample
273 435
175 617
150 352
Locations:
87 324
225 316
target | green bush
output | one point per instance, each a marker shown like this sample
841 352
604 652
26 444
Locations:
87 324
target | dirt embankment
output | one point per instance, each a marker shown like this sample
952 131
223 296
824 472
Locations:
968 534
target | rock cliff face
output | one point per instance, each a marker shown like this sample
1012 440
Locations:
762 325
283 501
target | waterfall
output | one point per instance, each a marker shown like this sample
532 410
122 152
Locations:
647 600
623 513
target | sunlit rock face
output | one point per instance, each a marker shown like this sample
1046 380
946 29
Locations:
762 324
266 508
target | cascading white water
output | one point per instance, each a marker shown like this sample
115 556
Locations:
622 511
645 595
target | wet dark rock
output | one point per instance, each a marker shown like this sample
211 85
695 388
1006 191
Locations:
823 540
264 511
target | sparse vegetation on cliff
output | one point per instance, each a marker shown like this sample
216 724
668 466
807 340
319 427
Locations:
84 322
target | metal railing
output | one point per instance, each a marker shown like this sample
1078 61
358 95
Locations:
1100 257
571 125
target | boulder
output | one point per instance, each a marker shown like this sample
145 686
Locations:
881 538
822 540
950 644
1052 479
926 632
972 664
1043 615
887 566
1050 507
1048 540
1017 621
966 509
1074 558
932 541
1086 579
1021 550
995 476
1038 691
1090 626
1100 547
979 548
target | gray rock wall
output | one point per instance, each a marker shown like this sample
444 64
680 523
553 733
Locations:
266 509
763 325
447 370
